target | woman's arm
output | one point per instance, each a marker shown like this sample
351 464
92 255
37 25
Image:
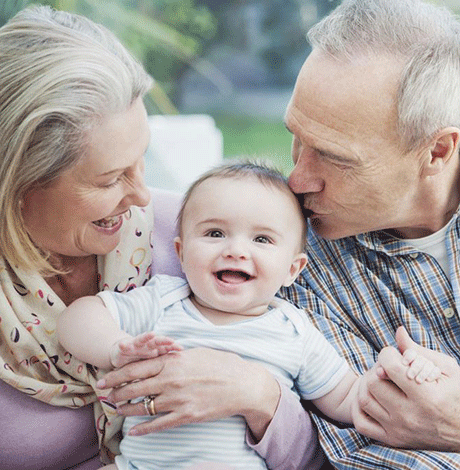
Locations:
290 441
197 385
204 385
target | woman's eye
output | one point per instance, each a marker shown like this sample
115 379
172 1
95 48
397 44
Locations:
215 234
262 239
112 183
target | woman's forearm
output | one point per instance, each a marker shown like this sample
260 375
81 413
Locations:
262 395
290 441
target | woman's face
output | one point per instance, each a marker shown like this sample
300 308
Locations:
81 213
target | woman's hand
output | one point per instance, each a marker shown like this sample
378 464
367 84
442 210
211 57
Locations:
196 385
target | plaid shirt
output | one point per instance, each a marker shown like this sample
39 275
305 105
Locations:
357 291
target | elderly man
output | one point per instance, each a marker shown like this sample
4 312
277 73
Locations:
375 116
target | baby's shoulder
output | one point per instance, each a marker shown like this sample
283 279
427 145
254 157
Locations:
294 315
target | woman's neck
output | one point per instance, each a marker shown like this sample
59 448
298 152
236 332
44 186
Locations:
79 280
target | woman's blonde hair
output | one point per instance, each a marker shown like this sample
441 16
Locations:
60 75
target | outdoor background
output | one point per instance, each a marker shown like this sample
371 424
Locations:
235 60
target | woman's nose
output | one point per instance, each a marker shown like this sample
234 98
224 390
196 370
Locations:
139 193
142 194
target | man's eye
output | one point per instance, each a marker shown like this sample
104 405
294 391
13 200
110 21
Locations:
262 239
215 234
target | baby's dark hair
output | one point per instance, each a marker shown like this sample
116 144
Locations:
264 173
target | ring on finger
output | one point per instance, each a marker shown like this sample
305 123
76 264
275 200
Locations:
149 405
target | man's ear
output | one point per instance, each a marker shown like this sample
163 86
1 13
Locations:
299 262
443 147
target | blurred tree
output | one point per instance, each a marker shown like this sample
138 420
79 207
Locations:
9 7
259 42
167 36
325 6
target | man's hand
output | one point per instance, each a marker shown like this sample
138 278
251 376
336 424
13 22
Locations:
403 413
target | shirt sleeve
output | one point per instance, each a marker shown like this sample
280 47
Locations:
290 441
322 368
135 311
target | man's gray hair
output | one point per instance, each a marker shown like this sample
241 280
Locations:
426 38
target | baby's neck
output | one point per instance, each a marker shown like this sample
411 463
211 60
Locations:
220 317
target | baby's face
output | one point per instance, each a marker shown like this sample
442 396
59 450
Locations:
240 243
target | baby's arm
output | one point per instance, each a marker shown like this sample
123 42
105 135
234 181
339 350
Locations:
338 403
88 331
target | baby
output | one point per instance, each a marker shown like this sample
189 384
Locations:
241 237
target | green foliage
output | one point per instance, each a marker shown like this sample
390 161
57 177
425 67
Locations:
165 35
9 8
249 137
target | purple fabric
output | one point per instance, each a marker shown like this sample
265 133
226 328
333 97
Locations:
290 442
36 436
166 205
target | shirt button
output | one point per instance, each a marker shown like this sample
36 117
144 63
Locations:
449 312
414 255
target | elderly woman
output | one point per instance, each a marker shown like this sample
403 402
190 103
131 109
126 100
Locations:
76 218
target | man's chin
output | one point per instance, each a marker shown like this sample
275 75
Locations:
327 231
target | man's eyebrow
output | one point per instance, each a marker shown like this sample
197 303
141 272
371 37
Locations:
335 157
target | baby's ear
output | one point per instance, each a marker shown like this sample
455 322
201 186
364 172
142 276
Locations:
178 247
298 263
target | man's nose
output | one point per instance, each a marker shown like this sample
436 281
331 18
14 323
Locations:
304 178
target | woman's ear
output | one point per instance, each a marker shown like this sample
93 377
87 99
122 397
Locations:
443 147
299 262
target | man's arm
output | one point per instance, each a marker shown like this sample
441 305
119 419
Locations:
344 446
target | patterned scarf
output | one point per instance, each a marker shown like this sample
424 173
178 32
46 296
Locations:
32 360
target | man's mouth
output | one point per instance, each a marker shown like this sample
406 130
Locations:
307 212
233 276
108 222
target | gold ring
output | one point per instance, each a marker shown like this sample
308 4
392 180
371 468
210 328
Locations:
149 405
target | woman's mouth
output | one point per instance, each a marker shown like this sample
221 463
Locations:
109 223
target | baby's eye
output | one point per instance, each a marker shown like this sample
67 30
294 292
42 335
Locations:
215 234
262 239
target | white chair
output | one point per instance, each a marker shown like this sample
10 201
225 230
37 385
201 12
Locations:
181 148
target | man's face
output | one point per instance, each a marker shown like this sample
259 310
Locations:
349 162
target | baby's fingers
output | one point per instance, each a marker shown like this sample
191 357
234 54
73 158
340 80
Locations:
435 374
422 370
163 343
409 356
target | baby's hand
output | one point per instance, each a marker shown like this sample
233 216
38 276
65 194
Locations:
419 368
143 346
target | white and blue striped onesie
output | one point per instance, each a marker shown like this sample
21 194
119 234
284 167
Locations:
283 340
